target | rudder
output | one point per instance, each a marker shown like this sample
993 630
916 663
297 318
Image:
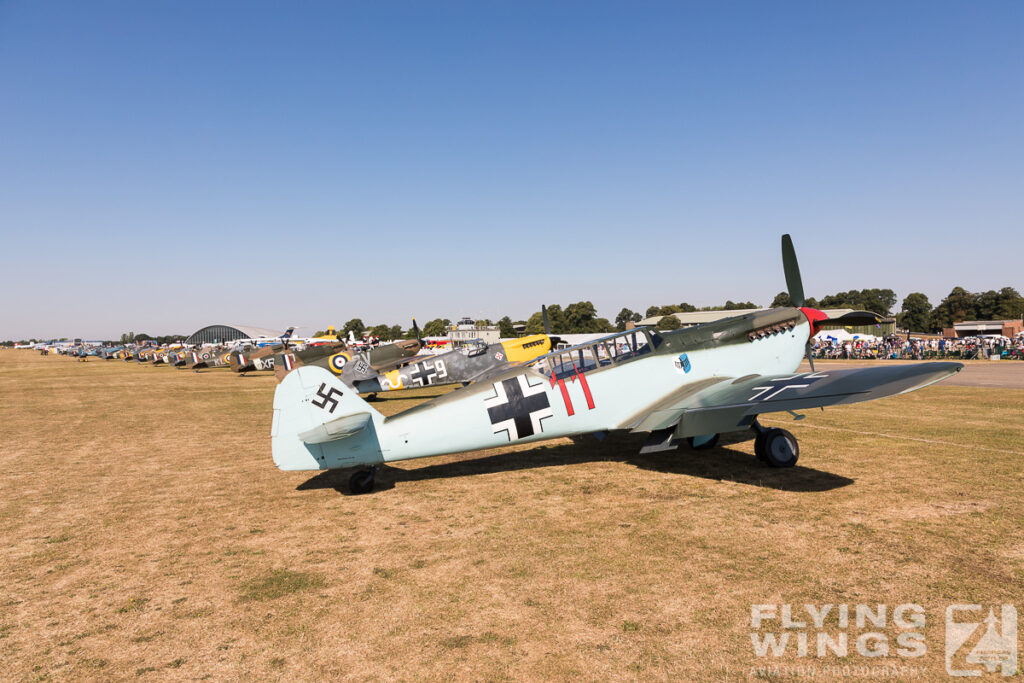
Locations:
320 423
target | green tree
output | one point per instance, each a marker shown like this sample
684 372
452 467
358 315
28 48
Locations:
987 305
1011 304
959 305
880 301
381 332
916 314
732 306
395 332
581 318
355 326
438 327
535 324
669 322
486 322
781 300
626 316
652 311
505 328
557 318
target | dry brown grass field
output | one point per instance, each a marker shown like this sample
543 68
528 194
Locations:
145 534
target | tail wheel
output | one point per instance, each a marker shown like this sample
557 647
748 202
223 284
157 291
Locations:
778 448
361 482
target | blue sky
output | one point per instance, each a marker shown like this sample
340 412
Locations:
167 165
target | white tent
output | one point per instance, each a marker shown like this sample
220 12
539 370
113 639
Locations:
835 335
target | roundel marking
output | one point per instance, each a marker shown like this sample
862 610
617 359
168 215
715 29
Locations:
337 362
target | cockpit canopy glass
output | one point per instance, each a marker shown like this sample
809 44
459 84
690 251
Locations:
474 347
598 354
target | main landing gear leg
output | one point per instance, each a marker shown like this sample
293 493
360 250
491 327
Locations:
362 481
775 447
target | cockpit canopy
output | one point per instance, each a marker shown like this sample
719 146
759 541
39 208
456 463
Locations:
473 347
600 353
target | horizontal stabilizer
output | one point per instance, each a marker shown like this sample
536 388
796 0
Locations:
335 429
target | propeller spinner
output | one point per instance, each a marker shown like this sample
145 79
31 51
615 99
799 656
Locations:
795 285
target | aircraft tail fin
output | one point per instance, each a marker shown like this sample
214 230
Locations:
320 423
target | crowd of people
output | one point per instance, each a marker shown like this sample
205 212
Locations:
900 348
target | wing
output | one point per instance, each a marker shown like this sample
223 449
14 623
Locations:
399 362
726 404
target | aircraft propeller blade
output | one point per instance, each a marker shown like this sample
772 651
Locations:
416 331
807 352
792 270
856 318
547 323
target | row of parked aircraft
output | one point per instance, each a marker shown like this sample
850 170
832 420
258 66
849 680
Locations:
365 367
690 384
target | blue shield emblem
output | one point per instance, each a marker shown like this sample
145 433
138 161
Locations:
683 362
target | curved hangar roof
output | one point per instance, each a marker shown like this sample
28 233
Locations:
215 334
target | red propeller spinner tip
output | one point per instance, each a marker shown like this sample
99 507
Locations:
814 317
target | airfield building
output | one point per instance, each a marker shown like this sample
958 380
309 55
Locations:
977 328
467 329
218 334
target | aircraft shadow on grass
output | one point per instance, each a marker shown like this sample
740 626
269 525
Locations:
721 463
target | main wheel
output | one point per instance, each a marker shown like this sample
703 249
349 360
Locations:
703 443
779 448
361 482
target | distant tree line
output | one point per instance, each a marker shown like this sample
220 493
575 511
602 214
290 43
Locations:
917 314
131 337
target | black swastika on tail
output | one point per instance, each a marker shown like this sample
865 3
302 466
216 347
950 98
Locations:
331 397
518 408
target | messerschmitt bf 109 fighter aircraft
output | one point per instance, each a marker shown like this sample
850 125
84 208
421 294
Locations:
366 374
471 362
693 383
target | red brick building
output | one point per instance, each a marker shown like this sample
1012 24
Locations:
974 328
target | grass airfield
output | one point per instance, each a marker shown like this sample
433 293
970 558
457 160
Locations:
146 534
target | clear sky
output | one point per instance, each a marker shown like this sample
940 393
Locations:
167 165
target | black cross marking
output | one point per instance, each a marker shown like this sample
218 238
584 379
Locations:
421 373
518 408
328 397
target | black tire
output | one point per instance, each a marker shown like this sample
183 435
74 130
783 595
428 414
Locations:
706 446
361 482
759 445
780 448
